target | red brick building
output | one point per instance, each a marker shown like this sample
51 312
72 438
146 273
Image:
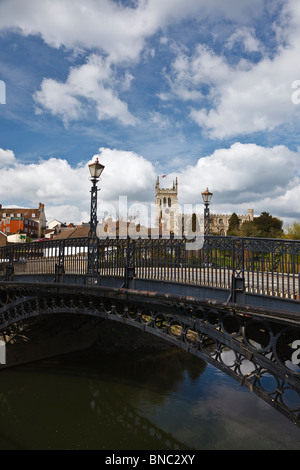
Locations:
29 221
10 225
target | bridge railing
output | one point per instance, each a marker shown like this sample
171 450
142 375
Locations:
265 266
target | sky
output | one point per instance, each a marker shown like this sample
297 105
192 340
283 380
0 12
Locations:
208 92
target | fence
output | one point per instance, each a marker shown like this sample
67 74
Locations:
267 266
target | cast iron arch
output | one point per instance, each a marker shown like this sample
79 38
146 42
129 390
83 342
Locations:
253 351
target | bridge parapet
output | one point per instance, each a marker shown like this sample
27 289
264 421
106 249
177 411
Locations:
265 267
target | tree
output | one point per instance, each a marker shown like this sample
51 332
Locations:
248 229
264 226
234 225
268 226
293 231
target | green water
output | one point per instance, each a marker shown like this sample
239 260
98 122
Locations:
134 401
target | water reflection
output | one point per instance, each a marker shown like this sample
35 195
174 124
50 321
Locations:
145 400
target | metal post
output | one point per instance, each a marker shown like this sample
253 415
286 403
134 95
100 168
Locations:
93 252
10 266
93 221
206 219
206 234
59 267
130 263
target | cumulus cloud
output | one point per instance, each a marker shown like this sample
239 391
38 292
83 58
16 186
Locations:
257 99
7 158
120 31
189 74
93 82
267 178
243 175
65 190
126 174
244 97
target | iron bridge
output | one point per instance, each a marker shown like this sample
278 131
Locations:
234 303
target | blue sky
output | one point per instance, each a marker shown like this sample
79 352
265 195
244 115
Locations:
189 88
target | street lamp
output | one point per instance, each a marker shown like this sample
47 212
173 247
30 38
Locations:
206 196
96 170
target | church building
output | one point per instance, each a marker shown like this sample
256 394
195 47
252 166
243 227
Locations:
168 217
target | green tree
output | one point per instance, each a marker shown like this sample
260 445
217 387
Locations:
264 226
269 226
248 229
293 231
234 225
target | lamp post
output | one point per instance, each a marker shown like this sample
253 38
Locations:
96 170
206 196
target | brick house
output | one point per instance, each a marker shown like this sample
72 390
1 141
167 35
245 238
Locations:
29 221
12 225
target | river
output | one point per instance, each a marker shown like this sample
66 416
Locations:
137 400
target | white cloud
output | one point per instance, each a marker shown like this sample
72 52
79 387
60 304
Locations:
7 158
65 190
255 99
93 82
188 74
244 174
119 31
126 174
246 37
247 97
118 34
77 24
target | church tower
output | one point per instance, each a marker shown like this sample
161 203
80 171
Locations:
166 208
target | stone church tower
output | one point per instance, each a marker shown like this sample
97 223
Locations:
169 220
166 214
